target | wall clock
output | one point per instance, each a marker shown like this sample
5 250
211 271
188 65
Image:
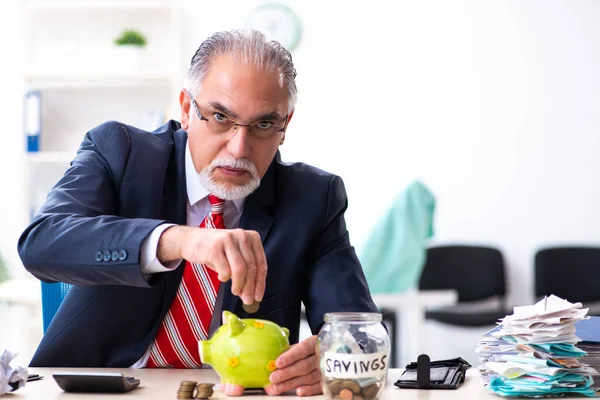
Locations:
278 22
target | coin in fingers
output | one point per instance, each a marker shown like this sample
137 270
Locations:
252 308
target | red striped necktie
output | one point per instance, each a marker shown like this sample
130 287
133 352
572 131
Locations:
188 318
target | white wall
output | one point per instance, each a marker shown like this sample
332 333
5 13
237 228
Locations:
12 194
493 105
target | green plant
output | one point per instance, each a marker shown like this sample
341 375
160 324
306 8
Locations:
131 37
4 275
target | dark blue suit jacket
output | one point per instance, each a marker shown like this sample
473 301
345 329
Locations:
122 184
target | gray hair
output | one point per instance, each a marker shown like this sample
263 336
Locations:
249 47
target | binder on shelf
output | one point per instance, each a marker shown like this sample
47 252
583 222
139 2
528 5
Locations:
588 330
33 120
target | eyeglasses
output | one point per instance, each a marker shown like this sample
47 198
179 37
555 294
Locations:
218 123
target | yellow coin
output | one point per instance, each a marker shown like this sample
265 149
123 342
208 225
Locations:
252 308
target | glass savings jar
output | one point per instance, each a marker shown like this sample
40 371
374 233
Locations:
354 356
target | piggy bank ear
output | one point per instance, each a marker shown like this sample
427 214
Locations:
286 331
226 315
233 322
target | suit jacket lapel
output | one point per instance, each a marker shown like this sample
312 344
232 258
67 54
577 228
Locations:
175 192
257 217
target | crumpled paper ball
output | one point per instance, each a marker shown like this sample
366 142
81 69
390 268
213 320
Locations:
11 378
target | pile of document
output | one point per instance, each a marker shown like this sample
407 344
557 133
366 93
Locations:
533 352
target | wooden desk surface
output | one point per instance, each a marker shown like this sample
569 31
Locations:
163 384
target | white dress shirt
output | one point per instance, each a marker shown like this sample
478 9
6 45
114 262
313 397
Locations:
198 208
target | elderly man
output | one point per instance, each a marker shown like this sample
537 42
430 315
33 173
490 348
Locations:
160 231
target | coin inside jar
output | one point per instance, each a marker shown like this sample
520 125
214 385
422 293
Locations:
335 386
346 394
370 392
351 385
251 308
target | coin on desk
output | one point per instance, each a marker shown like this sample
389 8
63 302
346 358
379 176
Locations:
204 390
186 390
252 308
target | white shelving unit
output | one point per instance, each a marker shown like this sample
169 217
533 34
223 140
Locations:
142 5
56 81
84 79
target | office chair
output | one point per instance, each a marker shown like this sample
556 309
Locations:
52 295
571 273
476 273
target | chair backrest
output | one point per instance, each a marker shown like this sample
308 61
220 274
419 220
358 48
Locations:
571 273
52 295
475 272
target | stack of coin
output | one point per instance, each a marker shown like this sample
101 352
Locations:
352 389
186 390
204 390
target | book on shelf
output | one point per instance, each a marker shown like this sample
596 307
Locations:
33 120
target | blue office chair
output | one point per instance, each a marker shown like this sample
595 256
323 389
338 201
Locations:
52 295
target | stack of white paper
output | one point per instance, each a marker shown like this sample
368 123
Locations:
551 320
533 352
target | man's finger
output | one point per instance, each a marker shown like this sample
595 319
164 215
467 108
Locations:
220 265
299 368
237 266
298 352
310 390
310 379
250 282
261 268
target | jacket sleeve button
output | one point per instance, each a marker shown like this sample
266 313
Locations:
98 256
122 255
106 256
114 256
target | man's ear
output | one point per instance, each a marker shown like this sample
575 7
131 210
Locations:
289 118
184 103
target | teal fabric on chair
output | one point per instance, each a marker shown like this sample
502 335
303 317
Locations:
394 254
52 295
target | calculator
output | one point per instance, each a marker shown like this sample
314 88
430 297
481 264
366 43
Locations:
95 382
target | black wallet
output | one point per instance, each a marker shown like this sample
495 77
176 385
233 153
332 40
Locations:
424 374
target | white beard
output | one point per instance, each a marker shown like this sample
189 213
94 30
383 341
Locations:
230 193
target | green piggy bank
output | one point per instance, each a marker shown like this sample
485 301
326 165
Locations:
243 352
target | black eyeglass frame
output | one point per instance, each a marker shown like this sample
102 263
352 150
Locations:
235 124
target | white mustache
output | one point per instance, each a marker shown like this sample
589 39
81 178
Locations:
235 163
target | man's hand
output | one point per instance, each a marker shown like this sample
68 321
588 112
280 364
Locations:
234 254
298 368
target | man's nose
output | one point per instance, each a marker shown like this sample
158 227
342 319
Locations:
239 145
